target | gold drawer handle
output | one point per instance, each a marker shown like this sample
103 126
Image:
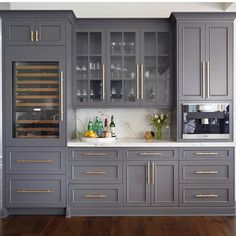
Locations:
150 154
206 153
32 36
207 172
100 195
35 161
94 154
211 195
90 172
34 191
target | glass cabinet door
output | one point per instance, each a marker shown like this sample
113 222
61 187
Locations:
123 69
36 100
90 68
155 67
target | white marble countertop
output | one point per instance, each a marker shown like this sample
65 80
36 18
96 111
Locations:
138 142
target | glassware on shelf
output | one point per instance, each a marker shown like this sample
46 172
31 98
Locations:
113 68
113 47
147 74
152 94
84 71
132 47
132 75
118 70
98 67
131 96
84 95
92 95
78 69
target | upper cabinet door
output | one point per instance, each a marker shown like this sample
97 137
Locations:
191 56
19 31
156 70
89 67
50 32
219 59
122 66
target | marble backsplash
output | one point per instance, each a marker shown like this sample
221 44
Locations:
129 122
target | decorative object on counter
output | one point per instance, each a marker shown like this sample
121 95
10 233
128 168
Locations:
158 121
149 135
112 127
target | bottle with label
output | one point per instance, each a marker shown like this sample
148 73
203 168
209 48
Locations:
112 127
90 125
106 125
100 129
96 125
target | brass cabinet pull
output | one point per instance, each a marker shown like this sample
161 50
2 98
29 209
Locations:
150 154
137 76
142 81
148 172
36 36
31 35
153 172
90 172
206 172
35 161
206 153
94 154
208 79
62 96
103 81
210 195
100 195
35 191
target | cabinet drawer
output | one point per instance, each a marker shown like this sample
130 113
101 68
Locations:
99 195
93 154
206 171
35 160
151 153
206 153
95 172
35 191
206 195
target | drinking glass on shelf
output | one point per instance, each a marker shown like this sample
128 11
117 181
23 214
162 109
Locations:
90 69
91 95
113 68
118 69
98 70
113 94
125 72
84 71
78 69
132 75
132 47
84 95
113 47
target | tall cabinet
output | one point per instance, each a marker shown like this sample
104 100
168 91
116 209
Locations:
35 53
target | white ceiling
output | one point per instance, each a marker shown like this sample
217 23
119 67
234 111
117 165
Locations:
123 9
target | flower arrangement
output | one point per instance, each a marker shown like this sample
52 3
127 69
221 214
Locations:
158 121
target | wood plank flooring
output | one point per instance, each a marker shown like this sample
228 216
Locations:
117 226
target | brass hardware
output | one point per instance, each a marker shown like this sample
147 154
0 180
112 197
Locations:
208 79
205 153
35 161
150 154
95 154
100 195
153 172
203 80
32 36
36 36
148 173
62 96
137 76
90 172
142 81
34 191
211 195
103 81
206 172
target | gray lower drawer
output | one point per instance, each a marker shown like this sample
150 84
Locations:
95 172
206 171
35 191
93 154
206 195
95 195
35 160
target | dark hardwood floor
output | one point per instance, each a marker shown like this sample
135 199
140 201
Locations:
117 226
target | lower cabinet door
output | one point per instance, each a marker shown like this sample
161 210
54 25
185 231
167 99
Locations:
137 183
164 182
35 191
99 195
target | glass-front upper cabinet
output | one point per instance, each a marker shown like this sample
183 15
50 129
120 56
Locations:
36 85
156 73
89 86
122 66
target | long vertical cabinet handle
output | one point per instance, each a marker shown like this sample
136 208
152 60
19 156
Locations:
137 76
208 79
31 35
62 96
103 81
153 172
36 36
148 172
142 82
203 80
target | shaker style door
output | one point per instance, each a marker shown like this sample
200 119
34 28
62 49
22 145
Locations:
89 79
35 96
122 67
156 71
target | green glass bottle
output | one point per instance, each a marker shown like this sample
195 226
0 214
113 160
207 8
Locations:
90 125
96 125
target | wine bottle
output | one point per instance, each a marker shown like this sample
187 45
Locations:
112 127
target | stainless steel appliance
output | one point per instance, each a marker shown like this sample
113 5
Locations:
206 120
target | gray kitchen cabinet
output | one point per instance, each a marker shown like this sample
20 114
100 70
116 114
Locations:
204 60
31 31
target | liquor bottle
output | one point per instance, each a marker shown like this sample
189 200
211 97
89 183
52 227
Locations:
96 125
112 127
90 125
106 125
